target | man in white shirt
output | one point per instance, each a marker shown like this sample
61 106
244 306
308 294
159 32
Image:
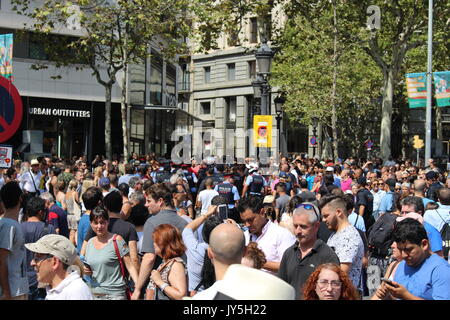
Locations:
226 247
29 181
204 197
272 239
440 216
54 261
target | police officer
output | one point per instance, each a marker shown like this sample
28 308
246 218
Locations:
228 190
190 178
255 184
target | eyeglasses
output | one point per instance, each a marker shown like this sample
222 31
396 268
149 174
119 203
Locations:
38 260
309 206
335 284
397 189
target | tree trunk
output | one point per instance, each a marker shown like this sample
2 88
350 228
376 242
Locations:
326 145
124 113
386 114
439 136
333 94
108 148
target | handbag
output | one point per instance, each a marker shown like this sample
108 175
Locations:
37 193
122 268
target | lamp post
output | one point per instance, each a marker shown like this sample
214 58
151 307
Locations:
315 122
279 101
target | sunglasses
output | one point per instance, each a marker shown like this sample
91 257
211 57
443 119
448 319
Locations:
309 206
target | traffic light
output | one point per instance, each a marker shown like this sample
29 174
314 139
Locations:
418 143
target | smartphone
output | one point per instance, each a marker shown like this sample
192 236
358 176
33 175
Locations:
222 211
86 264
389 282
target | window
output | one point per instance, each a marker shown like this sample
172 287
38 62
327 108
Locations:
156 72
253 30
207 73
205 107
231 67
252 69
230 109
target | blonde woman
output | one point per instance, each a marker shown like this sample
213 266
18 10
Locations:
73 209
98 174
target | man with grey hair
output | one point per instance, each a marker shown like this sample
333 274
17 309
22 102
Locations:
135 184
226 247
308 252
56 215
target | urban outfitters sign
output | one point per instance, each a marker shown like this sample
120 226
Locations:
60 112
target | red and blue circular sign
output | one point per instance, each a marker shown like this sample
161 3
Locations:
313 141
369 144
11 109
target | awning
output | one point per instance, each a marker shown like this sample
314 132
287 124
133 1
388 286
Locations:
161 107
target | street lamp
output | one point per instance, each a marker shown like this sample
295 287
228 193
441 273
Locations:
264 56
315 121
279 101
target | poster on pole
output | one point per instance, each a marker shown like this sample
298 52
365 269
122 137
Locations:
442 88
5 156
262 131
6 55
416 84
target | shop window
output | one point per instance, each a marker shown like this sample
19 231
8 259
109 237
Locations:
137 124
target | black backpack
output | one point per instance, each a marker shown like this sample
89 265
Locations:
445 235
380 235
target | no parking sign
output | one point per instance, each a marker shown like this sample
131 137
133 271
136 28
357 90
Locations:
11 109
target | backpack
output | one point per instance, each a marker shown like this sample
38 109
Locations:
445 235
380 235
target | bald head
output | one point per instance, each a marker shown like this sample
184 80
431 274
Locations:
227 243
420 185
444 196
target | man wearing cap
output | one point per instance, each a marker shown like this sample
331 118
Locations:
308 252
255 184
433 185
228 190
105 185
53 255
29 181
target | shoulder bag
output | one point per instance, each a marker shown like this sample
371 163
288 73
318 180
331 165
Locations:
122 268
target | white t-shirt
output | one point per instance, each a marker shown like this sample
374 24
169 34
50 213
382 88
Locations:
71 288
205 198
209 293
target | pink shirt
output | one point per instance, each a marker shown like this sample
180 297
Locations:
273 241
346 184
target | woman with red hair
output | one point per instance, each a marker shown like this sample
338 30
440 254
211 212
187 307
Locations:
169 281
329 282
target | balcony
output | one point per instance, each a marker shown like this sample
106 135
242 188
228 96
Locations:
184 86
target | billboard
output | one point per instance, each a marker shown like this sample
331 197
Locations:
6 55
262 131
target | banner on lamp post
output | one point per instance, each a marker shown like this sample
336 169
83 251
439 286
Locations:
442 88
6 55
416 84
262 131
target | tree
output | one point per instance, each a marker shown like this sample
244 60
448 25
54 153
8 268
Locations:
114 34
403 28
324 75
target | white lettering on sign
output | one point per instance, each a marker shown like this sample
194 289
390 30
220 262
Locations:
60 112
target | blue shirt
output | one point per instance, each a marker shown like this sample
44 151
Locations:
437 218
434 237
430 280
195 252
386 202
83 227
235 194
310 180
357 221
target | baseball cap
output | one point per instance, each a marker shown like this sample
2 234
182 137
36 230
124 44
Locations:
55 245
34 162
244 283
104 182
330 169
268 199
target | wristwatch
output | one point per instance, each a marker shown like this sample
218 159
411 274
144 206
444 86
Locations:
163 286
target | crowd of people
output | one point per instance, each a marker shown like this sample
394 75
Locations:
295 228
